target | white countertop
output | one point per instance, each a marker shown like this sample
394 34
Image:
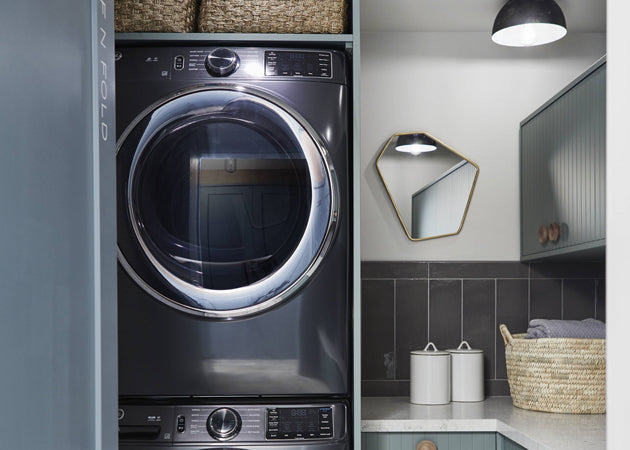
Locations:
531 429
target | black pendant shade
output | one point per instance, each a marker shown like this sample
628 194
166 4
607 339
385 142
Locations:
415 143
525 23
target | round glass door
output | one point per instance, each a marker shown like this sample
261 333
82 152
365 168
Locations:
229 201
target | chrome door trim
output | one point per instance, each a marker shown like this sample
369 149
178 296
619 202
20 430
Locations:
318 150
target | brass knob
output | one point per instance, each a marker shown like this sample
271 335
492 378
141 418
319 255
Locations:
426 445
543 236
554 232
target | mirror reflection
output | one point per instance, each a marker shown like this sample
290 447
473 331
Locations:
430 184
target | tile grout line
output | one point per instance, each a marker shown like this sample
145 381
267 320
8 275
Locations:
461 307
395 334
495 328
562 298
529 292
428 310
596 298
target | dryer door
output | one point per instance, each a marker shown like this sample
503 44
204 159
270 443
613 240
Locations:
227 201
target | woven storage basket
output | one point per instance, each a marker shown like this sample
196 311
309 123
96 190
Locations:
272 16
558 375
165 16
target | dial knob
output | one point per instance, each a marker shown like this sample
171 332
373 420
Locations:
222 62
223 424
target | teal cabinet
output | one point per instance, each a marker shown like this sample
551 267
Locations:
504 443
443 441
562 165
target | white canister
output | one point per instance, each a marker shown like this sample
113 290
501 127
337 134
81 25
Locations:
430 376
466 373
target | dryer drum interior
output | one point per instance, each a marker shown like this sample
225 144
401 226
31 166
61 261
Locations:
231 201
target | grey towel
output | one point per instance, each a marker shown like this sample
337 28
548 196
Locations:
583 329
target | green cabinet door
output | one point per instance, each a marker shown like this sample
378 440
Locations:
504 443
443 441
563 159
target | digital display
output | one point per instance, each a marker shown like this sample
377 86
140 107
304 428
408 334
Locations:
299 423
298 64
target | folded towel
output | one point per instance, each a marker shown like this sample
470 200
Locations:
581 329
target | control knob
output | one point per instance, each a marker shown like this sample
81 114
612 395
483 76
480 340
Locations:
222 62
223 424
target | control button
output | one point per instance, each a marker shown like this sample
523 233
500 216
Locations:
223 424
181 424
272 434
179 62
222 62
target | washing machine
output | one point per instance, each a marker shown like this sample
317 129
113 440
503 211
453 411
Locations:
233 246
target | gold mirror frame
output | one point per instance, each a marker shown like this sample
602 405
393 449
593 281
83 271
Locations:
392 140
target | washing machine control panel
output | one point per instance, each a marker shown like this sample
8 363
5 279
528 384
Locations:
239 423
299 423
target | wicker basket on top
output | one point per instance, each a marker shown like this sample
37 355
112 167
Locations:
273 16
159 16
560 375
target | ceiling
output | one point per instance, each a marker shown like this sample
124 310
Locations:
467 15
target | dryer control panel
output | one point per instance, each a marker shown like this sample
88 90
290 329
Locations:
298 64
225 64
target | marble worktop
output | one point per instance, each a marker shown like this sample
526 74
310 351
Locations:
531 429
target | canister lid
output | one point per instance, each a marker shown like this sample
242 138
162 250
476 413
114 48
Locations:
427 352
460 349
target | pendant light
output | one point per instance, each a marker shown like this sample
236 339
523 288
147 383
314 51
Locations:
415 143
525 23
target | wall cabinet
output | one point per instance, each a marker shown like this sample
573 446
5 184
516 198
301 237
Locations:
443 441
562 164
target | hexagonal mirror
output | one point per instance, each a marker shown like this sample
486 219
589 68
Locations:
430 184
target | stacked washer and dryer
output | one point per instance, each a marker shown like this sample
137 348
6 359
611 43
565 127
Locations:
234 308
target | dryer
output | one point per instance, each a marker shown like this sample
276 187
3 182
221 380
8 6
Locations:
232 219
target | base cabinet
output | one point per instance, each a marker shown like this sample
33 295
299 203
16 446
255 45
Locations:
442 441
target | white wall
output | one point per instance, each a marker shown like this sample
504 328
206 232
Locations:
617 218
471 94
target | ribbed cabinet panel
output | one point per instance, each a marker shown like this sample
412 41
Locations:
504 443
443 441
563 160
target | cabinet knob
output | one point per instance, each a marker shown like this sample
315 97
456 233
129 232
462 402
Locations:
426 445
543 236
554 232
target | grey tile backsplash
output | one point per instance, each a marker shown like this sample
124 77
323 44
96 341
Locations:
407 304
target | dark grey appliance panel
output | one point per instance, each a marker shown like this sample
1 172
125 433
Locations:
291 446
299 348
321 425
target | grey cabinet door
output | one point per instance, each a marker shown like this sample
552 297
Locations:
58 240
563 158
443 441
